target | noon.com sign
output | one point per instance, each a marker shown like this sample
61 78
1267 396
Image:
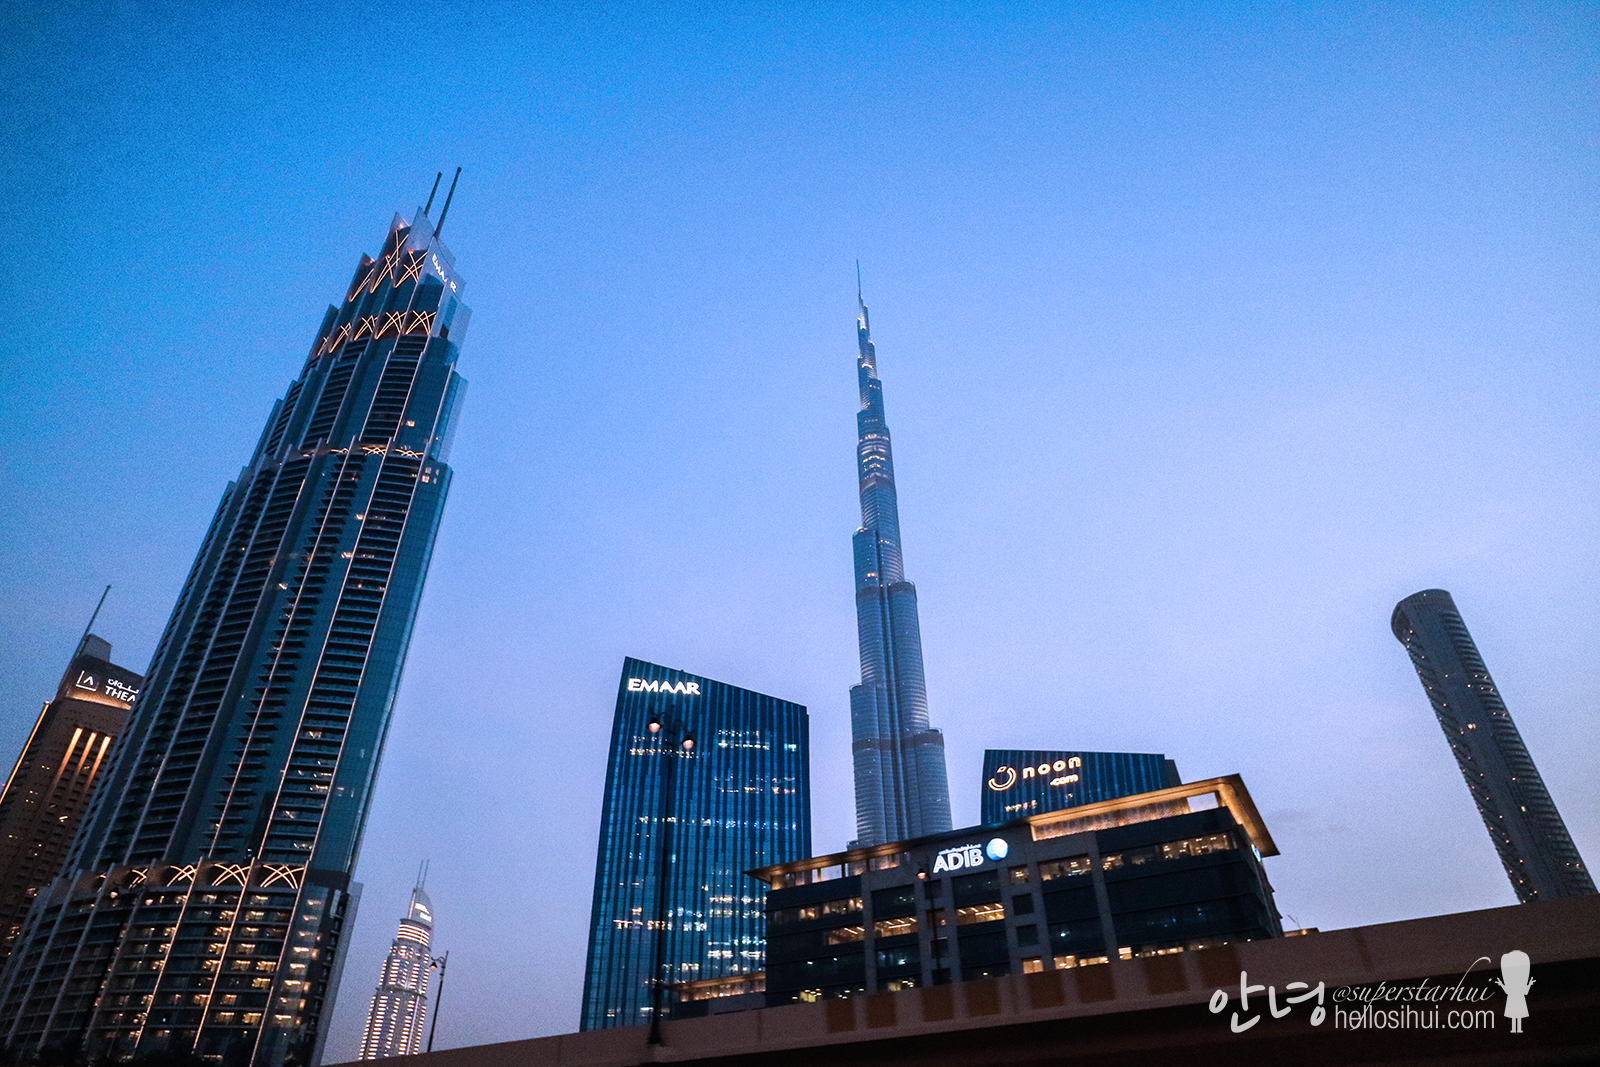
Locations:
964 856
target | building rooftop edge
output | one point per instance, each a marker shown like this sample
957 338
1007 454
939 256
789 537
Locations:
1229 790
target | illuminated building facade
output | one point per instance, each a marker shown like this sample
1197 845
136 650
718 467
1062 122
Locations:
400 1006
902 790
204 905
739 798
1167 871
1018 782
1527 830
43 801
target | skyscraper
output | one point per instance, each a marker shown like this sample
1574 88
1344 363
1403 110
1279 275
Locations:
901 788
736 795
400 1006
1029 782
206 897
1527 831
43 801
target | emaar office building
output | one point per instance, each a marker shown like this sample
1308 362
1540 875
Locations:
719 787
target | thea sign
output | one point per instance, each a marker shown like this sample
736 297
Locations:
650 685
964 856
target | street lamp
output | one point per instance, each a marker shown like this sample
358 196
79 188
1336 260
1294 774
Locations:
438 963
676 738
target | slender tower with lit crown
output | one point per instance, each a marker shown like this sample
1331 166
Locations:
205 905
43 801
400 1006
901 787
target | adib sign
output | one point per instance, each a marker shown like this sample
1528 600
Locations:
963 857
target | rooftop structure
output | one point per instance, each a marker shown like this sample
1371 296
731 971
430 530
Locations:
1019 782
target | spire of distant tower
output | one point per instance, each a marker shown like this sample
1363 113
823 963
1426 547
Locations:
901 786
448 197
82 640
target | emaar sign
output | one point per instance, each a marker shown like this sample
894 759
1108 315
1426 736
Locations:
650 685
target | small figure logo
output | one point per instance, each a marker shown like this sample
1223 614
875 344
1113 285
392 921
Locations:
1004 778
1515 982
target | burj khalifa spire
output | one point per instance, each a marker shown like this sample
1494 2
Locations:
901 787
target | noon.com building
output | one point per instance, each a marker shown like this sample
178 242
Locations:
1163 871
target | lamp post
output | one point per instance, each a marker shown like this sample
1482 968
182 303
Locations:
676 738
439 963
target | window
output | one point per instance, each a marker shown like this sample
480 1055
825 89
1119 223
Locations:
900 899
844 935
977 888
980 913
1171 850
1022 904
895 927
847 906
1196 846
1019 876
891 958
1067 868
1032 965
1027 935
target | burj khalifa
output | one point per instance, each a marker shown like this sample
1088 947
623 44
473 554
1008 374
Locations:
901 787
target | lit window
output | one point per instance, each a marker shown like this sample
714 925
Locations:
980 913
1067 868
895 927
844 935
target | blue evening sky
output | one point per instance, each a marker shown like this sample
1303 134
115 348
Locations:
1208 332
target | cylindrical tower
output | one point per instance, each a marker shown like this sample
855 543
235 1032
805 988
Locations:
1527 831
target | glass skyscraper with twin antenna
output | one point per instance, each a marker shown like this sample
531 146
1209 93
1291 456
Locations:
902 790
734 799
206 900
